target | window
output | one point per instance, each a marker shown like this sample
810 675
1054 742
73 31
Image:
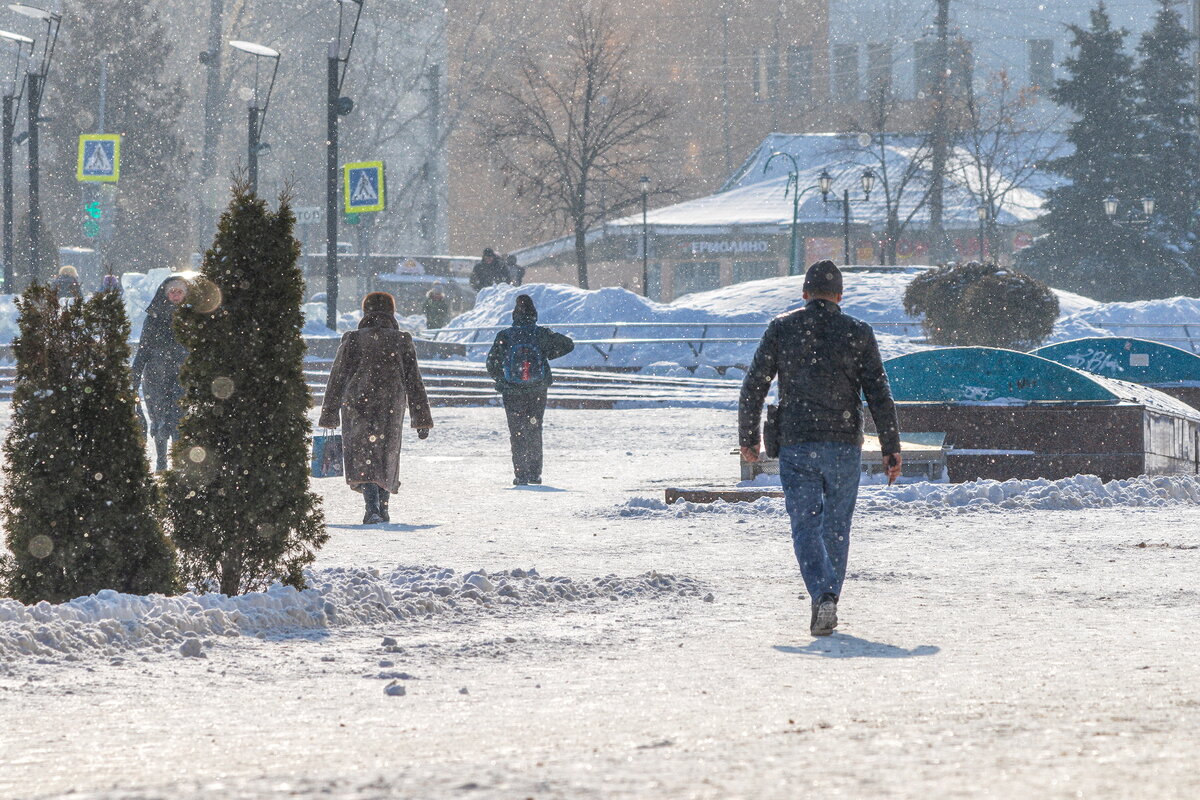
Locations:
845 73
799 74
962 68
766 74
1041 63
924 56
696 276
754 270
879 68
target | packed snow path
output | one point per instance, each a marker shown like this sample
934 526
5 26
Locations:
998 652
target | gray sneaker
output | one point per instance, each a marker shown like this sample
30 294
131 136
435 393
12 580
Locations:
824 617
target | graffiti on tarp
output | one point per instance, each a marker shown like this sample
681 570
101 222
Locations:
1093 360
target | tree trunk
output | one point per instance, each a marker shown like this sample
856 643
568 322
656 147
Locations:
581 254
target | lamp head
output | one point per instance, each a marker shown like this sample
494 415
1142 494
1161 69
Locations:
33 12
1148 206
868 182
1110 206
254 49
825 182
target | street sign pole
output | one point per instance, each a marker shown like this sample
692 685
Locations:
35 210
333 91
6 130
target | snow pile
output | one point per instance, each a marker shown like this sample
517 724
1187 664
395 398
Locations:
1092 320
1078 492
696 315
111 623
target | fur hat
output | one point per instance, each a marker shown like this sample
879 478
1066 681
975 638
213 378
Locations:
67 271
379 303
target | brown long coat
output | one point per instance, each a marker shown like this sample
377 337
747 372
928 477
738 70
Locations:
374 375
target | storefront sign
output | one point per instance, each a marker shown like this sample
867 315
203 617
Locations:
732 247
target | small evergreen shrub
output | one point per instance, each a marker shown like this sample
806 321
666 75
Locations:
79 503
982 305
238 499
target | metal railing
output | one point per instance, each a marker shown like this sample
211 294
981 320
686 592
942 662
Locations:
604 346
1189 338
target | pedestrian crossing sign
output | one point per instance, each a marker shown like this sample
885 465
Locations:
99 158
365 191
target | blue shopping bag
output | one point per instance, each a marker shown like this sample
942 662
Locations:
327 456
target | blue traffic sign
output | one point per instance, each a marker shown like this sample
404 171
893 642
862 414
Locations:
364 187
99 158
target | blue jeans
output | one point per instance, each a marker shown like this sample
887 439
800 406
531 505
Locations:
820 484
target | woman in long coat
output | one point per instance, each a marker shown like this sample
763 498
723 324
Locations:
374 376
157 363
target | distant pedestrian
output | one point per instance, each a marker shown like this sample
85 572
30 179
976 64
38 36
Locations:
157 363
437 307
488 271
110 283
519 361
515 272
374 377
67 281
825 362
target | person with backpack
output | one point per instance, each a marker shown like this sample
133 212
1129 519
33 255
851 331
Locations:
519 361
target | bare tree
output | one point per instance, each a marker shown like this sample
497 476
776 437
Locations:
571 119
994 153
903 178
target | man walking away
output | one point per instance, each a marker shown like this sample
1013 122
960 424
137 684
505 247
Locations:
519 363
824 360
515 272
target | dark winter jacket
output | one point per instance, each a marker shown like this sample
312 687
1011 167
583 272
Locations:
825 361
437 310
553 345
374 377
485 274
159 358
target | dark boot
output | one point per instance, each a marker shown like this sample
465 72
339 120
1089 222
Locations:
383 509
371 497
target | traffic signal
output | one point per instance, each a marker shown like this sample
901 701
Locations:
93 214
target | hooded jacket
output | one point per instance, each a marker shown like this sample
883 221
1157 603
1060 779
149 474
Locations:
553 345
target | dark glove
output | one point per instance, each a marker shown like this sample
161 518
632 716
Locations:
422 433
329 418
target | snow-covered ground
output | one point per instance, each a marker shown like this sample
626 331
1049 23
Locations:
581 639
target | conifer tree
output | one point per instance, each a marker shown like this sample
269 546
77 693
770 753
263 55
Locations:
145 105
1081 249
1166 117
238 497
79 501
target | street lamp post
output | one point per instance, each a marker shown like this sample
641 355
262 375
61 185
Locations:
37 82
793 186
7 123
257 111
868 183
982 212
645 184
335 106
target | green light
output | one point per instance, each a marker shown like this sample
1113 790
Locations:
91 228
351 219
95 210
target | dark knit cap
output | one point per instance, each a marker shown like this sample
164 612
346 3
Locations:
823 278
379 303
524 310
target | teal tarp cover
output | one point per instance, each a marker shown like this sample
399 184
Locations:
978 375
1134 360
